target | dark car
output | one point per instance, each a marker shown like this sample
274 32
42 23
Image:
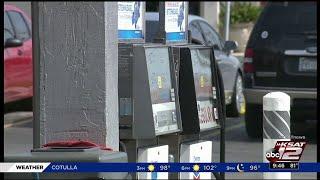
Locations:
281 55
230 67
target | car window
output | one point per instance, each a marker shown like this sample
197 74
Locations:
20 26
287 19
8 30
195 31
294 17
211 36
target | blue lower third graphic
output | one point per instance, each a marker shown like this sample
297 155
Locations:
177 167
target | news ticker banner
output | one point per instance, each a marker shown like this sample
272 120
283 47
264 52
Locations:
54 167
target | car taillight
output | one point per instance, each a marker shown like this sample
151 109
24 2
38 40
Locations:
248 66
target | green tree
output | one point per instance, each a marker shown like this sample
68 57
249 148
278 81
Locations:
240 12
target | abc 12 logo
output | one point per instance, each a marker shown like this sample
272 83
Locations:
285 151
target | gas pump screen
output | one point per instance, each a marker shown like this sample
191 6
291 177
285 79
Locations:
201 64
163 104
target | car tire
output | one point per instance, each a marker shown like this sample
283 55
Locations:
253 120
237 106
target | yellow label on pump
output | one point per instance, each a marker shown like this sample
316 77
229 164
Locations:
201 81
159 82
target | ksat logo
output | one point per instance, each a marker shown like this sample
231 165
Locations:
286 151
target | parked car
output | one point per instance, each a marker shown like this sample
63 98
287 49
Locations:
281 55
229 65
18 74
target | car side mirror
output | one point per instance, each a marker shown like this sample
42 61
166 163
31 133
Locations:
230 45
12 42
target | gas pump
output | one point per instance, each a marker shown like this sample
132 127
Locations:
148 107
200 114
200 108
199 92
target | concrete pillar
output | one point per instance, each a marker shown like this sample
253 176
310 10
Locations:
210 11
76 72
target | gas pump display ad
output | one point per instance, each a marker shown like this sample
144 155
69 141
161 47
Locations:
175 20
130 20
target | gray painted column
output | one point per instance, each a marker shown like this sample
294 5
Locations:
77 72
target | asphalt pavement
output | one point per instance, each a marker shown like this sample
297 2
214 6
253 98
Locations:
239 147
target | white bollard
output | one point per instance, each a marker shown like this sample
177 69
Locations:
276 126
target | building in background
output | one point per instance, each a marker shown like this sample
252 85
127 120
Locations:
210 11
